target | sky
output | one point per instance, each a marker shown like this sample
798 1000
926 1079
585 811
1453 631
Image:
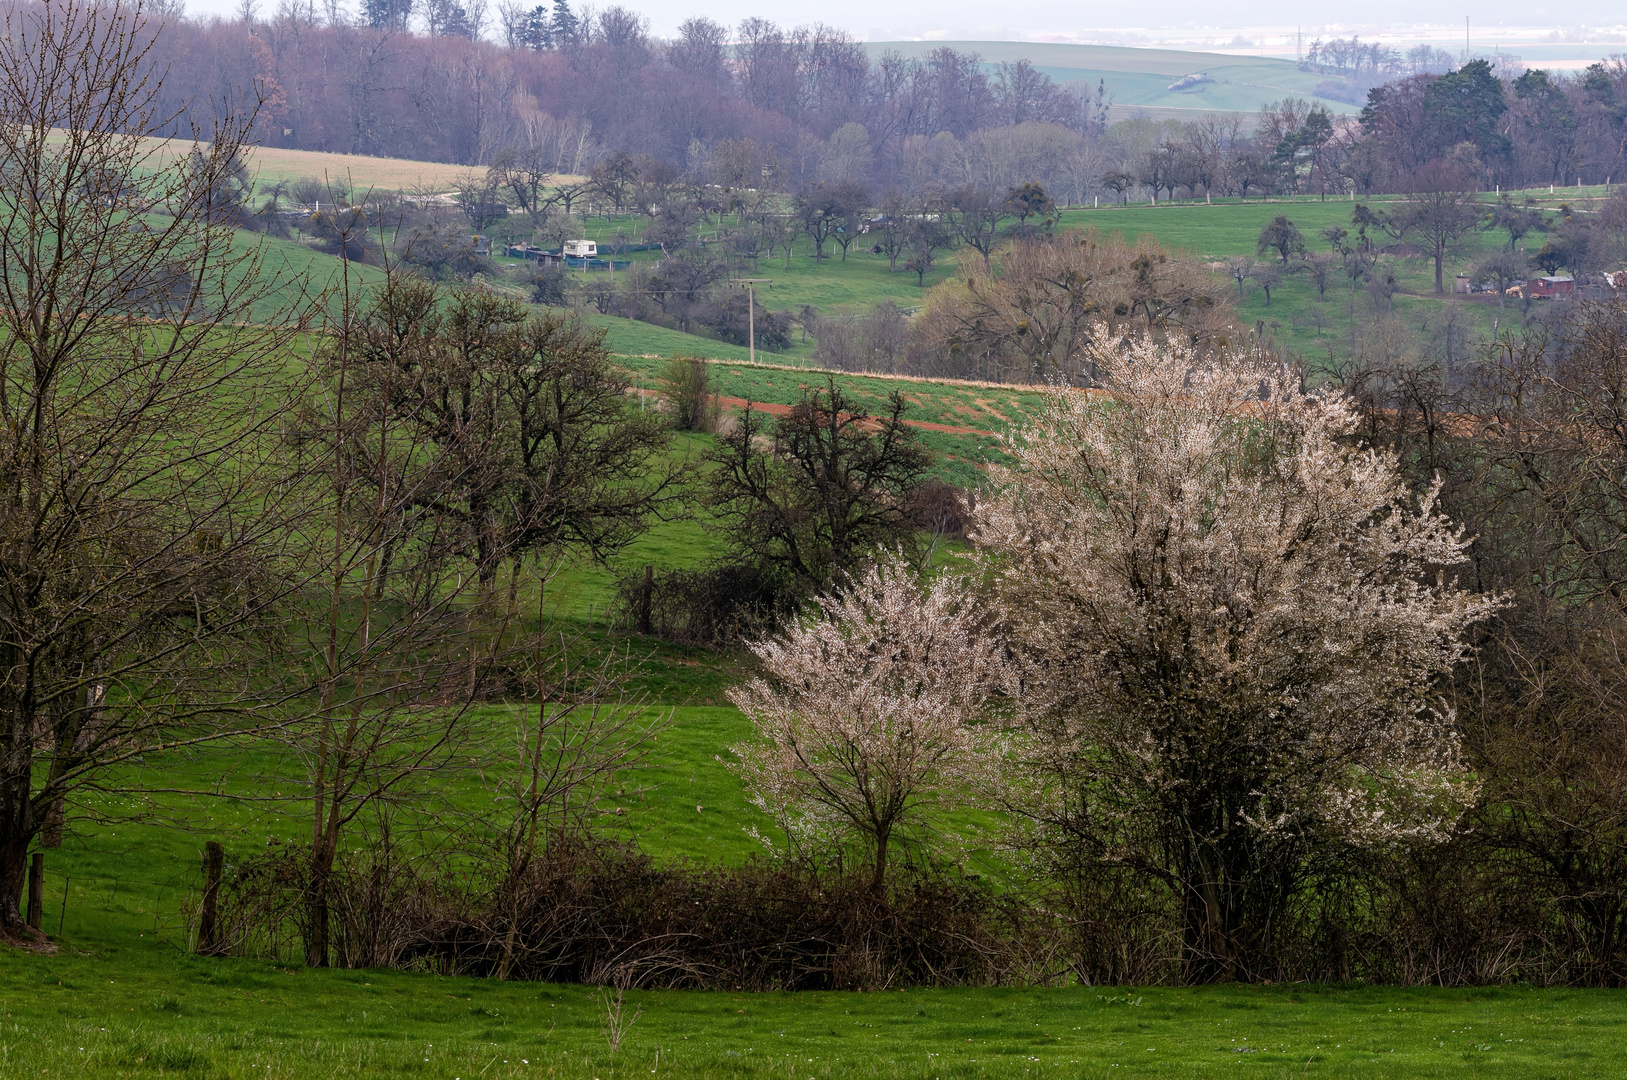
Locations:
1264 26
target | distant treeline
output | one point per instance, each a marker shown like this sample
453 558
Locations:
808 99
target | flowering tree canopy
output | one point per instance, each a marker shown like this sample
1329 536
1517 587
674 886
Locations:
1228 622
869 710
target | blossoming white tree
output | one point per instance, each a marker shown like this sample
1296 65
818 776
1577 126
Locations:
868 711
1229 621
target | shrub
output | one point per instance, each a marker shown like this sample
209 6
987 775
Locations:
709 608
941 509
591 911
685 382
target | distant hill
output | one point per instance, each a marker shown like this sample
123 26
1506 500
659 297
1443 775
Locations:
1140 79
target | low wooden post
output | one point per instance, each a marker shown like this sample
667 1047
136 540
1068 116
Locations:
646 600
214 860
36 888
62 916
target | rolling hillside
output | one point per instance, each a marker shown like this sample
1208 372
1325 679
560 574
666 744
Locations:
1140 78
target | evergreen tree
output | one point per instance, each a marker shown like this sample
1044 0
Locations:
566 28
387 14
1465 106
538 32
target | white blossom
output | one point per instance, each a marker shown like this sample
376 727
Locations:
1229 620
872 709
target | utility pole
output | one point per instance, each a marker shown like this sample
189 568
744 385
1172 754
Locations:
751 311
1465 39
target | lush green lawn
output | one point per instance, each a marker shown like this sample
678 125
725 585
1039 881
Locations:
148 1010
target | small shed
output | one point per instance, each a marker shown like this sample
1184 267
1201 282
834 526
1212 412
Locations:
1545 288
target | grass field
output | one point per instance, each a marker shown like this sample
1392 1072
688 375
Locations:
1142 77
123 998
1323 331
150 1011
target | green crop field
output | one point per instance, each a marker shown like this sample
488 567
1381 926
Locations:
1142 77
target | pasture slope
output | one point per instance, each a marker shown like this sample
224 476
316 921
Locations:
123 998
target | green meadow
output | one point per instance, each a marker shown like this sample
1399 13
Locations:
1139 78
123 997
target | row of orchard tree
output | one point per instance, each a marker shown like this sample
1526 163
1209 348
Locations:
1263 680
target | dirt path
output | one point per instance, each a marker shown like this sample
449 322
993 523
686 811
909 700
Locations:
785 410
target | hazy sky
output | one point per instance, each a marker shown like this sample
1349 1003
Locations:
1270 20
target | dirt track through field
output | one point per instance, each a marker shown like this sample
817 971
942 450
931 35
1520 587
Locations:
785 410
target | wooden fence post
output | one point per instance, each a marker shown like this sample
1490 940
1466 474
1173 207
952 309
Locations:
646 600
214 860
36 888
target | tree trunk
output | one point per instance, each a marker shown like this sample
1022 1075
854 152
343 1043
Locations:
878 882
36 890
1204 931
316 916
13 877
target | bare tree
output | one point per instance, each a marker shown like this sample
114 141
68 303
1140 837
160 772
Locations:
1033 310
686 383
1229 623
924 234
1548 497
1239 267
479 197
867 710
827 492
143 508
1281 236
1319 265
976 214
394 629
583 729
1439 213
1267 275
526 173
831 211
543 450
